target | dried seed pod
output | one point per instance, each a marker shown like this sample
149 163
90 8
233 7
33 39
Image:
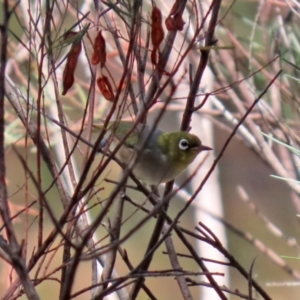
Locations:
170 23
157 35
156 16
99 54
105 88
176 22
179 22
175 8
157 32
68 78
72 59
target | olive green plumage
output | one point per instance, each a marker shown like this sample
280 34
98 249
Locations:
164 154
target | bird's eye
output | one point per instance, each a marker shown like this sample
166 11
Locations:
183 144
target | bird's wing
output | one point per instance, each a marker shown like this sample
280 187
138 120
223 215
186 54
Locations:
123 128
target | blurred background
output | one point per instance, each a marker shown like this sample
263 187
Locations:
255 214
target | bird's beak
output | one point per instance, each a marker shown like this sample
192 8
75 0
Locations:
205 148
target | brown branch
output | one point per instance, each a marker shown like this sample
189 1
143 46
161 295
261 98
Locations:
209 41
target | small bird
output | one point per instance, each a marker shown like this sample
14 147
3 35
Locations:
161 156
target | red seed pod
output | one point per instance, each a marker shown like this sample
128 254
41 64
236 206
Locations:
157 35
174 8
157 32
170 23
99 54
105 88
156 16
72 59
68 80
179 22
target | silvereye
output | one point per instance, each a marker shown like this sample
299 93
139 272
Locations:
164 155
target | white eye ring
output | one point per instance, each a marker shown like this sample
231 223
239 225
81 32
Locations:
183 144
